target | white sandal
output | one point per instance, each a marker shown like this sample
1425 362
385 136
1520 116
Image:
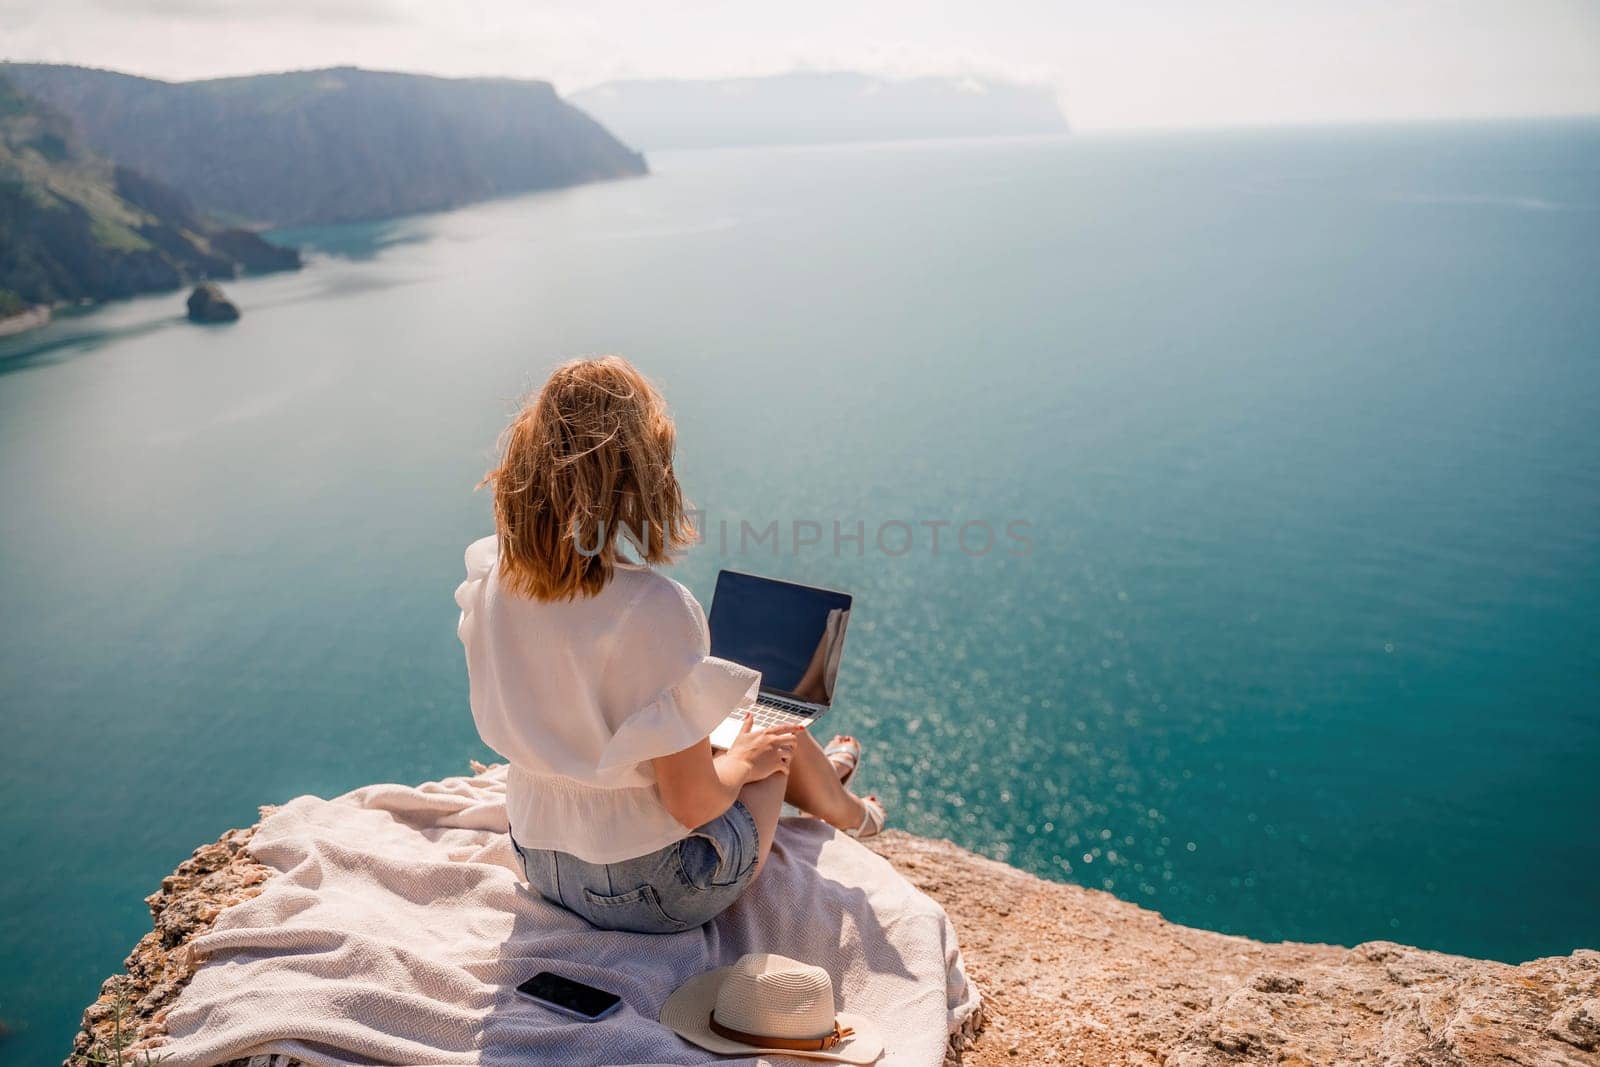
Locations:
872 818
844 750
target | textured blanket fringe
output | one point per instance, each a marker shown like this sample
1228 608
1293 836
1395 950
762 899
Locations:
965 1035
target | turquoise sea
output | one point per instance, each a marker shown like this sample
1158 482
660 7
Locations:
1302 428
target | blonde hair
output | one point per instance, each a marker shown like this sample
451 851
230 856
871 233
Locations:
587 460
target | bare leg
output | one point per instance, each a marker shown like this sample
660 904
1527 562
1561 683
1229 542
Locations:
765 801
814 786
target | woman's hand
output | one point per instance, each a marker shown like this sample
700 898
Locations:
697 786
764 752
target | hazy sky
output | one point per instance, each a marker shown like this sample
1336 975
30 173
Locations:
1150 63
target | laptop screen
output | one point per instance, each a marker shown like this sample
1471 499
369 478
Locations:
792 634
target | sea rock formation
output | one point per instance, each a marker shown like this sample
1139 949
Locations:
208 304
1071 976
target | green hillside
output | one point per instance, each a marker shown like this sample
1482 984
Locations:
333 145
75 226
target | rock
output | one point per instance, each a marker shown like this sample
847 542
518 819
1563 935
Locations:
1065 971
1578 1024
208 304
1269 982
190 898
1073 976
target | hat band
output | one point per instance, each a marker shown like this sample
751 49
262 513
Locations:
792 1044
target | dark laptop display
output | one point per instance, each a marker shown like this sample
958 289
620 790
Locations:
792 634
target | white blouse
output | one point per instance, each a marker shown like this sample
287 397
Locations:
579 696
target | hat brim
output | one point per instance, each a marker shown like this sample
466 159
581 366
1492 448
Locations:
687 1013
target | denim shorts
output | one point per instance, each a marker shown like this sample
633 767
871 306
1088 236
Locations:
683 885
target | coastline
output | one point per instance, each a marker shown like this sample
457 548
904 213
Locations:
23 321
1356 787
1069 975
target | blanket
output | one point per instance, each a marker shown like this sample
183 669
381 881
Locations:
396 928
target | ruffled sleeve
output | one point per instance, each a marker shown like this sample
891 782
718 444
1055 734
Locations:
480 559
682 713
677 692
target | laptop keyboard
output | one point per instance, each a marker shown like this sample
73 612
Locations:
775 711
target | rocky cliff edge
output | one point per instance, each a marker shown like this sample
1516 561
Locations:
1069 976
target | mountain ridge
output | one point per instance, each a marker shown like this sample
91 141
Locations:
76 226
334 144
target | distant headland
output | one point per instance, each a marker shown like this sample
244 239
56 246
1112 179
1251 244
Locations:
112 185
79 227
817 108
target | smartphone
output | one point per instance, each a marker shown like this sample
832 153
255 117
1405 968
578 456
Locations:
583 1002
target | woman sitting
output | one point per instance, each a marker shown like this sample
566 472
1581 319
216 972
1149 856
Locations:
590 673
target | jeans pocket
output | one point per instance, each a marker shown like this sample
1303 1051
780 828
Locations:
721 853
638 910
703 861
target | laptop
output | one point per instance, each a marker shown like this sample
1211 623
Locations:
793 634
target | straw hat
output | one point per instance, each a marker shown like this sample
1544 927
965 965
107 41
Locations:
769 1003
